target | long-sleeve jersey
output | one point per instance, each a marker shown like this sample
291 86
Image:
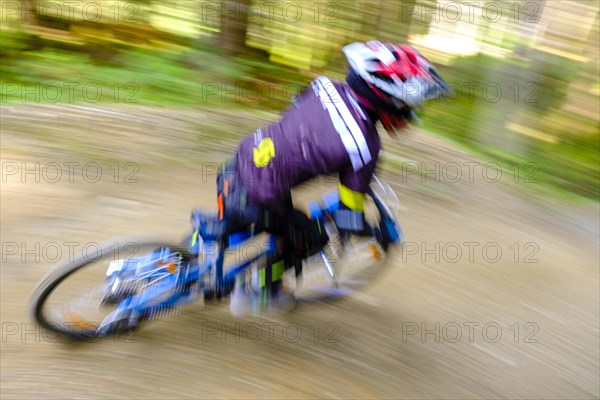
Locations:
325 131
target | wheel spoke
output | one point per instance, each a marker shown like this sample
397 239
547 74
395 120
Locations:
79 301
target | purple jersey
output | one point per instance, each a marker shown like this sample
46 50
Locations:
325 131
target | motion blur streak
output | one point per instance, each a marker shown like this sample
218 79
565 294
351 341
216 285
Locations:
117 114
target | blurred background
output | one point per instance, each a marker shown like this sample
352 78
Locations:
116 115
525 73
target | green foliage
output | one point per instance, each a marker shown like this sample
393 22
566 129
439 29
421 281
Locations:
529 90
552 74
12 43
148 77
532 93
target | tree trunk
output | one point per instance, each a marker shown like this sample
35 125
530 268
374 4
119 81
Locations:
29 12
234 25
406 16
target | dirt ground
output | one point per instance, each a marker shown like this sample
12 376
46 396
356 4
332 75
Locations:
494 295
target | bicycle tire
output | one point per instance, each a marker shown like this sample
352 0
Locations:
60 274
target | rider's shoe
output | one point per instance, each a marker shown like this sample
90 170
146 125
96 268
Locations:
246 300
281 300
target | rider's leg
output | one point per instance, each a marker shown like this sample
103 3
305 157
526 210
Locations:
276 296
232 199
240 213
298 237
305 235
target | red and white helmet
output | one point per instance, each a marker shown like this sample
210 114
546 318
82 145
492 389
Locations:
398 74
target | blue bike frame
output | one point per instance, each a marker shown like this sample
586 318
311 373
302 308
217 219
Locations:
174 281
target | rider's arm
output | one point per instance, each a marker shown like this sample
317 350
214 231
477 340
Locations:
353 186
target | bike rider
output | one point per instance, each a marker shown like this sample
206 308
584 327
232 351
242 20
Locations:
330 128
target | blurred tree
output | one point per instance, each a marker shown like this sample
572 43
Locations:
369 15
407 8
234 25
385 20
29 12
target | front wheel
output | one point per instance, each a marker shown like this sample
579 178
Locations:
349 264
76 299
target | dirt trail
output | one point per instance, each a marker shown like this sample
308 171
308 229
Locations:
493 296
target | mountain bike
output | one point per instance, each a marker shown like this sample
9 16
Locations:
132 280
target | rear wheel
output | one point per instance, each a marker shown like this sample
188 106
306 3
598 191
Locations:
75 298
